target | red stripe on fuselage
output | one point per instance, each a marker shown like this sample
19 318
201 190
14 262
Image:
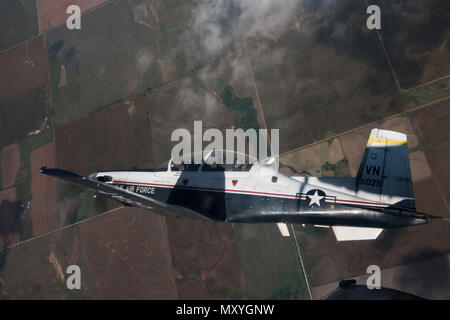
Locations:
248 192
204 188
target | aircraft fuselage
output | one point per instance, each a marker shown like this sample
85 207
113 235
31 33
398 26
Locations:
264 196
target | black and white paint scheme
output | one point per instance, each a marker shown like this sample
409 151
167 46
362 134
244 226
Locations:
380 196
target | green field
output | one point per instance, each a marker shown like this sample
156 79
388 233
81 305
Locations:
270 262
427 93
18 22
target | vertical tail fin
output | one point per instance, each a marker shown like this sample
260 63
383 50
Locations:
384 174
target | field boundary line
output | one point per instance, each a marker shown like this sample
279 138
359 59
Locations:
366 125
59 229
301 262
39 33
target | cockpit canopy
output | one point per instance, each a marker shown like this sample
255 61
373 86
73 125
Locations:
214 160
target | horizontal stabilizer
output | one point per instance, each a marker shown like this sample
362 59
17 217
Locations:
355 233
283 229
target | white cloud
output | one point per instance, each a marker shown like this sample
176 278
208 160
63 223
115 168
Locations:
143 59
219 23
202 101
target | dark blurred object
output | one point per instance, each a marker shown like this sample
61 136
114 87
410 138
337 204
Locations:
349 290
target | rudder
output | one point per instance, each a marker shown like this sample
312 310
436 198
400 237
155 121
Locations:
384 175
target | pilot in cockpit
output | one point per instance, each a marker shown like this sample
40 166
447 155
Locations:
236 166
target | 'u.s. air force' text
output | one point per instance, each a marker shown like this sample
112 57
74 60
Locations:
138 189
230 309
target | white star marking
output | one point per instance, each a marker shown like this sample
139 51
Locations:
315 199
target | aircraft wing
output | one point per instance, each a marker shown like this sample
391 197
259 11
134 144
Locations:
121 195
355 233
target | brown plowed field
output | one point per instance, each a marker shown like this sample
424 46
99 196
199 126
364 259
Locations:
22 71
10 164
205 260
127 255
8 217
43 189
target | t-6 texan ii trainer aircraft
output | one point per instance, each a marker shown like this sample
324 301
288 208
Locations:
381 195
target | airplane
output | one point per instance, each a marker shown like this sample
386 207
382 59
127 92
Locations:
379 197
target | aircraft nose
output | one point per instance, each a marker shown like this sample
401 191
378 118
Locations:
93 175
